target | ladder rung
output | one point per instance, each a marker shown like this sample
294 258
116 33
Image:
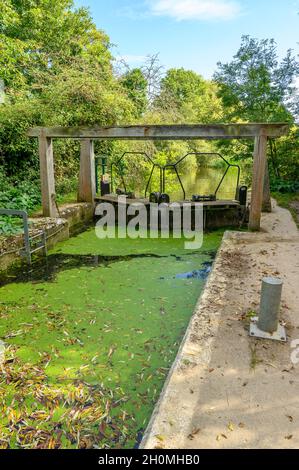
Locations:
37 249
36 236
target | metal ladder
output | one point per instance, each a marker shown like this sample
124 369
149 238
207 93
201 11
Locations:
31 243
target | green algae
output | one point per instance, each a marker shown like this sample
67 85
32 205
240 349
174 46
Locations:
102 316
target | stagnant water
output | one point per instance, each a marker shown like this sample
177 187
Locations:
90 337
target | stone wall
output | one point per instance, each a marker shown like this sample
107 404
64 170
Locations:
73 217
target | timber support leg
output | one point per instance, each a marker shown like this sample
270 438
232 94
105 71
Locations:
87 185
267 205
259 166
47 177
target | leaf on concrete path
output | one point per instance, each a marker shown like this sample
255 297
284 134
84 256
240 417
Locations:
194 433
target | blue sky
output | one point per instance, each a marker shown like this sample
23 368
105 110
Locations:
194 34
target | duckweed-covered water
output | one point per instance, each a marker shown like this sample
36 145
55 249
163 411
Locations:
90 337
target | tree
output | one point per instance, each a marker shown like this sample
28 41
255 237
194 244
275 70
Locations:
188 97
255 86
153 72
40 37
136 85
57 70
182 85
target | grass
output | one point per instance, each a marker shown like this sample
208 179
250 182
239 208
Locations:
286 200
69 198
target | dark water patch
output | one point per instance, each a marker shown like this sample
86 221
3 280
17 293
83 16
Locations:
201 274
46 269
139 438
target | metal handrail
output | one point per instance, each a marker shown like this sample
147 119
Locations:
144 154
174 167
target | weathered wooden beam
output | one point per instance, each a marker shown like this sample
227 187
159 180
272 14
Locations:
172 132
47 177
267 205
87 189
259 166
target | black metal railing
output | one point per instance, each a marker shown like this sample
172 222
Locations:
174 166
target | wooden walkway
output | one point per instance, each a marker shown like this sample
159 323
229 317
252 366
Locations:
221 204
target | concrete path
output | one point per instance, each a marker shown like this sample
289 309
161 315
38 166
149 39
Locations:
227 390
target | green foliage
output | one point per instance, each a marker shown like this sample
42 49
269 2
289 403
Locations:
57 70
255 86
17 151
289 201
284 156
56 66
181 85
136 85
284 186
41 36
23 194
186 97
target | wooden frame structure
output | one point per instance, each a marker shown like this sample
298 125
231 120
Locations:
259 132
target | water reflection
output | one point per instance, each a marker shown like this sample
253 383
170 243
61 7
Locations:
205 182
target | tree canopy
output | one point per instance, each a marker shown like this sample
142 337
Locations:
58 69
254 86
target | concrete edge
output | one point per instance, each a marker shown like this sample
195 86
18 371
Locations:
203 325
245 237
192 353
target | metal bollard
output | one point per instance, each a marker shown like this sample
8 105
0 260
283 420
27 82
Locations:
270 304
266 325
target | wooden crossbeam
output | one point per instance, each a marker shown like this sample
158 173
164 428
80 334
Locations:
171 132
260 132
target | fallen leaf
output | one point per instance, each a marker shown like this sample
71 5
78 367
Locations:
194 433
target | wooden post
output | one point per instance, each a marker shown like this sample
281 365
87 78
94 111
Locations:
259 165
87 184
47 177
267 205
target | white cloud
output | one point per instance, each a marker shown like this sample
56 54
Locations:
195 9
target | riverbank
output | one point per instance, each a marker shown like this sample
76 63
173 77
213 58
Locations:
289 201
233 391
